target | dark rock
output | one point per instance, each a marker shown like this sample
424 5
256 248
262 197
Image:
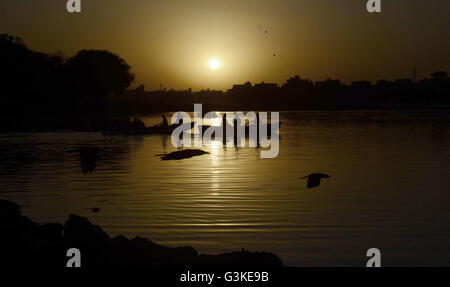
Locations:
24 243
141 252
51 231
80 229
20 240
9 211
241 259
90 239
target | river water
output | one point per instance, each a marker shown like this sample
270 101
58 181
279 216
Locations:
389 188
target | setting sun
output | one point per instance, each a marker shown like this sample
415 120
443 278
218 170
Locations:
214 64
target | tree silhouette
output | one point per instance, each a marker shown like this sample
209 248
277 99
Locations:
100 72
29 83
94 75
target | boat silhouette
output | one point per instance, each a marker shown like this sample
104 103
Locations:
247 130
156 129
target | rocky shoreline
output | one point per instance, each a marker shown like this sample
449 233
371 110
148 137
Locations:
24 243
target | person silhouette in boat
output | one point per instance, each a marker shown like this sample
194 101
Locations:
224 128
257 130
165 122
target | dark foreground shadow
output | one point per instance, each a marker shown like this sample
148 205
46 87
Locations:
24 243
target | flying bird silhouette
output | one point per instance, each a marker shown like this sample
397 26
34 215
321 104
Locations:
314 179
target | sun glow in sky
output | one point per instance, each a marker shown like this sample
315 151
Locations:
173 43
215 64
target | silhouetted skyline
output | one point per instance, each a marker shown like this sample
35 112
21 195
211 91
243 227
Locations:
86 91
171 42
296 93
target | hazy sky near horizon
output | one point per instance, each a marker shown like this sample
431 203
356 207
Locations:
172 41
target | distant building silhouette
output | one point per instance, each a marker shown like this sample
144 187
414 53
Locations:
361 84
84 92
440 75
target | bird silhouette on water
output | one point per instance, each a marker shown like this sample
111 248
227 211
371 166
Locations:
88 158
182 154
314 179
